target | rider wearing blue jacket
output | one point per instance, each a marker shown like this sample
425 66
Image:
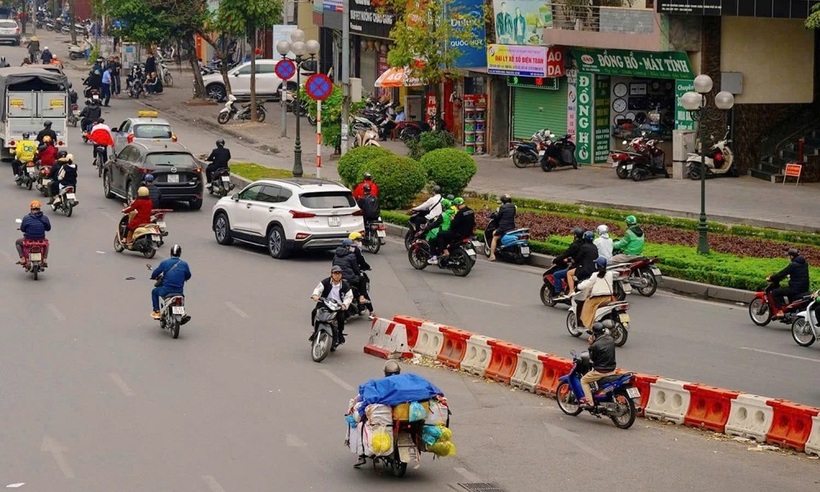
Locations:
175 273
34 226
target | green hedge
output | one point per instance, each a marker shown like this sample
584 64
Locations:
350 164
399 179
451 169
428 142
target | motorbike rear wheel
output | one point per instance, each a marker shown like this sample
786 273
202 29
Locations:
566 400
618 291
572 325
464 264
625 420
651 283
149 253
759 312
638 174
619 334
223 118
622 171
373 245
260 115
397 467
320 346
802 332
29 184
175 328
418 258
68 209
547 297
519 162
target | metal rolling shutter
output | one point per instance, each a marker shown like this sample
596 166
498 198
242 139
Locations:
535 109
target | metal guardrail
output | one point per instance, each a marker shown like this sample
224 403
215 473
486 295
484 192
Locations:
603 19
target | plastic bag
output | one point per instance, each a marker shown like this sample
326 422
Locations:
430 434
417 412
443 448
381 442
378 414
446 434
437 413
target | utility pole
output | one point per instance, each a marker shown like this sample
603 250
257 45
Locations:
283 99
345 73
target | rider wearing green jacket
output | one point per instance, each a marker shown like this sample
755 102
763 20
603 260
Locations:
447 214
631 245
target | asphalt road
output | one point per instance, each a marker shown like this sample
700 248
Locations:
94 397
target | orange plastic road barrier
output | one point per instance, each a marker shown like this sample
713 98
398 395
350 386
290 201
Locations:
412 324
642 382
455 346
554 368
709 407
503 362
791 424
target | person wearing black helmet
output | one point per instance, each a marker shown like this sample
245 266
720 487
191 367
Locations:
584 262
358 191
218 159
602 355
505 218
174 272
798 272
153 191
369 203
391 368
564 258
47 131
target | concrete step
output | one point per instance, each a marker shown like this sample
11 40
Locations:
761 174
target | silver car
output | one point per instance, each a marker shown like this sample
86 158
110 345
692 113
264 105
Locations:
9 32
146 128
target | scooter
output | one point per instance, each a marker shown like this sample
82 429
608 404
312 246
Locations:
325 324
719 159
374 235
805 327
158 218
231 112
560 153
410 130
28 175
651 164
221 184
172 310
33 254
762 307
44 180
146 238
75 52
65 201
623 160
512 246
641 273
364 138
460 261
614 311
547 293
614 395
525 153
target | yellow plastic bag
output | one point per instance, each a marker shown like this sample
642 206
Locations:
381 442
446 434
443 448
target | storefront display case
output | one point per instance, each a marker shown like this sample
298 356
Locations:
475 116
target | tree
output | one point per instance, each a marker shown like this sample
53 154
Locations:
246 17
813 20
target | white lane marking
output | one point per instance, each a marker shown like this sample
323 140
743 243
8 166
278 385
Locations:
294 442
232 307
336 379
56 312
15 485
684 297
468 475
120 382
212 483
781 355
57 451
476 299
572 438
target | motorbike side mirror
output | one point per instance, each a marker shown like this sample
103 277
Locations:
18 221
115 130
70 85
149 266
572 353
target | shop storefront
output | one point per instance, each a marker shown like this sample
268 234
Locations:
370 32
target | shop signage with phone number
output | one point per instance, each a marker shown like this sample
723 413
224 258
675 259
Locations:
663 65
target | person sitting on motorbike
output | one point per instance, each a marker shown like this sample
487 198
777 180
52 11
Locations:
90 113
798 272
356 237
46 56
436 227
345 258
603 242
391 368
358 191
153 191
66 176
563 260
429 210
598 290
142 206
100 135
602 356
46 132
47 152
337 289
34 227
583 265
505 219
369 204
175 272
631 245
461 227
218 159
55 170
24 152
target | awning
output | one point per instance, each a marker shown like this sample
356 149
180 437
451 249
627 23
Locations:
397 77
660 65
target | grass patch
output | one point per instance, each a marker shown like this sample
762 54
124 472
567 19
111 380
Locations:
253 171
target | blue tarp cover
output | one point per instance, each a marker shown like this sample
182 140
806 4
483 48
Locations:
394 390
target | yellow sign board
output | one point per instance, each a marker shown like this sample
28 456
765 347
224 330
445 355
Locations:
16 103
57 103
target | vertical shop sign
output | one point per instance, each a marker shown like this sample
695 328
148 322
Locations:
583 123
572 75
683 119
601 118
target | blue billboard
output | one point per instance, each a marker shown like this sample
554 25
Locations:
473 50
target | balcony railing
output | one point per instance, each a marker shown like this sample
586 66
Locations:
621 20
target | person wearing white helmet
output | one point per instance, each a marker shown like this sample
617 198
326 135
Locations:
603 242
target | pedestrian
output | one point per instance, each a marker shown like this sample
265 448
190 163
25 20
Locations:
150 63
87 46
115 67
105 88
33 48
46 56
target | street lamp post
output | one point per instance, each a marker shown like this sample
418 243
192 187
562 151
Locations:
696 103
299 47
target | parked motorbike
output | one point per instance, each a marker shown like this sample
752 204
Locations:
460 261
49 25
614 311
525 153
651 164
623 160
146 238
547 292
805 327
560 153
364 138
512 246
762 307
244 113
374 235
75 52
324 329
641 273
65 201
28 175
410 130
158 218
172 310
33 254
719 159
136 87
221 184
614 395
167 78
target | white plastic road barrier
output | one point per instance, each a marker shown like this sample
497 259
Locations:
478 355
750 417
528 371
813 444
668 400
387 338
430 340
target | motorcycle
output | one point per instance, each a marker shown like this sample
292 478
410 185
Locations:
641 273
525 153
513 246
221 184
412 229
163 72
719 159
146 238
762 306
805 327
324 329
614 395
44 180
28 176
547 293
172 310
356 308
410 130
49 25
560 153
374 234
651 163
623 160
65 201
99 158
614 311
460 261
158 218
75 52
33 254
231 112
135 87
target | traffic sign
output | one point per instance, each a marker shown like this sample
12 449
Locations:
319 86
285 69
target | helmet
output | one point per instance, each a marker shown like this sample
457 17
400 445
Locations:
589 236
62 154
366 188
355 236
45 48
69 157
347 243
391 368
149 178
451 197
445 203
143 191
603 229
458 201
793 252
46 139
597 329
47 123
505 198
577 232
631 220
100 121
367 176
35 204
176 250
335 269
436 189
220 143
26 135
600 262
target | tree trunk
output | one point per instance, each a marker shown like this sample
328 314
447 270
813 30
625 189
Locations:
199 85
253 74
223 67
72 6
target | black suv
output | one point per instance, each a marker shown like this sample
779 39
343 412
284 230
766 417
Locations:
177 173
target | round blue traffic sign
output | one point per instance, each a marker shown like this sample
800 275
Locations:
319 86
285 69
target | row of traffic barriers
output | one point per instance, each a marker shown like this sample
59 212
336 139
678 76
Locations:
773 421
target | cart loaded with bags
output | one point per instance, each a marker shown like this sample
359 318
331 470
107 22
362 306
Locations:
394 419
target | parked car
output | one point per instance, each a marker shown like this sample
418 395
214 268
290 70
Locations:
268 85
177 173
145 128
10 32
287 215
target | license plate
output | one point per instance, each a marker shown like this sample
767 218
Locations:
226 179
155 238
161 224
478 244
624 318
32 171
471 251
656 271
178 310
542 152
35 256
70 196
633 393
173 178
46 182
525 250
381 233
334 221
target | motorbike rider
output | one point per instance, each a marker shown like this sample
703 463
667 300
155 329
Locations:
602 355
66 176
358 191
631 245
345 258
154 192
34 227
436 227
175 272
47 131
391 368
90 113
603 242
218 159
338 289
584 263
142 206
369 204
798 272
461 227
46 56
55 170
24 152
598 290
431 208
100 135
505 217
356 237
563 260
47 152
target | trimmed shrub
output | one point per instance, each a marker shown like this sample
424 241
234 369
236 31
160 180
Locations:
452 169
354 159
399 179
429 141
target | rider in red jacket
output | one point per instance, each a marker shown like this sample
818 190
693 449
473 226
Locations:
47 152
358 192
143 206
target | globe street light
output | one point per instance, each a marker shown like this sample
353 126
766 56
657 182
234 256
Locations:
299 47
697 105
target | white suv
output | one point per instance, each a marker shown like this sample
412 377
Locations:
268 84
286 215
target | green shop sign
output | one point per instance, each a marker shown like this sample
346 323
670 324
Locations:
683 118
601 119
662 65
546 83
583 119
